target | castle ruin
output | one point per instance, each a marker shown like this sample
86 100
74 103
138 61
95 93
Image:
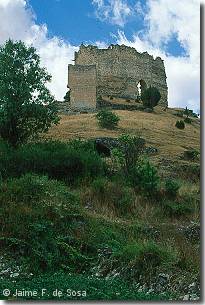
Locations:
118 71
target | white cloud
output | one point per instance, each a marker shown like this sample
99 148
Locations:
17 21
113 11
164 19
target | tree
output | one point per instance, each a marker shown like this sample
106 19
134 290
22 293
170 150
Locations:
26 106
150 97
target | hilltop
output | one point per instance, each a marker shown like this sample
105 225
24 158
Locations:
157 128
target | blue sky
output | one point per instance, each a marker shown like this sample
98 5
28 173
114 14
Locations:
166 28
75 21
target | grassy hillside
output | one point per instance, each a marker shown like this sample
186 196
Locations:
76 219
157 128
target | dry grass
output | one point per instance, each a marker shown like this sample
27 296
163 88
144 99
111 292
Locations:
157 128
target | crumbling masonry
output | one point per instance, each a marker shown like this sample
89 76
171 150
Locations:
118 71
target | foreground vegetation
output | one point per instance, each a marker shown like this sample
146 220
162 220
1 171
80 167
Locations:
78 220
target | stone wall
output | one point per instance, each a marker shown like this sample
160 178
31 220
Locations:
82 83
119 69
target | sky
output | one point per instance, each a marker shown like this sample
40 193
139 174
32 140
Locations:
166 28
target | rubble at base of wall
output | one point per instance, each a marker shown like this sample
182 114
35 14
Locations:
65 108
105 104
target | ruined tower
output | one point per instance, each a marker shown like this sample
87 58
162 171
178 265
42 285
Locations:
117 71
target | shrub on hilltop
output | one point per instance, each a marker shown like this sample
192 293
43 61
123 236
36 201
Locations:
188 120
107 119
180 124
150 97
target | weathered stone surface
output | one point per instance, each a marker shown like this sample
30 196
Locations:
82 82
115 71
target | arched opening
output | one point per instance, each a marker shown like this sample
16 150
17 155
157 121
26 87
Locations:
141 86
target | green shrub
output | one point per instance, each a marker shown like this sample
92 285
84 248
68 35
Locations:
188 120
123 199
191 154
58 160
173 208
99 98
111 97
189 112
99 187
190 172
143 259
107 119
171 187
116 195
37 213
180 124
144 177
129 150
150 97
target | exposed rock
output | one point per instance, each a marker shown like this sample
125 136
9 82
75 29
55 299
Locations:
186 297
102 148
148 110
151 150
194 297
115 106
192 232
105 145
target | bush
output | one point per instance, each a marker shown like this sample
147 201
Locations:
121 197
144 177
99 187
99 98
177 208
111 97
189 112
143 259
188 120
36 214
191 154
190 172
129 150
171 188
150 97
107 119
114 194
58 160
180 124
